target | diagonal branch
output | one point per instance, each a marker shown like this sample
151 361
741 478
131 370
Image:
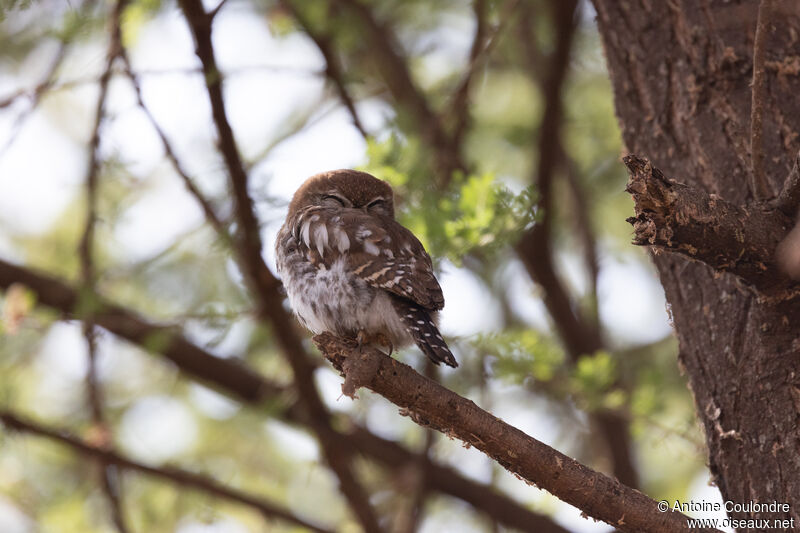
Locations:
242 384
265 286
432 406
35 96
583 225
482 45
393 69
333 67
205 204
173 475
581 336
227 375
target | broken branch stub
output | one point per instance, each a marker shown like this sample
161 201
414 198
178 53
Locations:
729 238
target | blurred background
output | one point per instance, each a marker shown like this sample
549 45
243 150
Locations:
494 122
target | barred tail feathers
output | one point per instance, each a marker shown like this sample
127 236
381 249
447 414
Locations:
423 330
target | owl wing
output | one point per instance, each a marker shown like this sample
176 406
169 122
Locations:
376 249
393 259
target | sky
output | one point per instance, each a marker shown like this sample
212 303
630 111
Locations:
270 80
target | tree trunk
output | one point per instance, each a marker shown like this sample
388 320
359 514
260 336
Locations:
682 73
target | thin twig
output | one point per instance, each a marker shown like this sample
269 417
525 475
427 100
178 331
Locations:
482 46
333 67
759 187
214 12
583 222
393 68
188 182
174 475
458 108
35 96
109 480
50 86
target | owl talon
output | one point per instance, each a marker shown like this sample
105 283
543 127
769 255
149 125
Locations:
363 339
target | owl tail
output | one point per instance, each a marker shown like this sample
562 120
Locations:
423 330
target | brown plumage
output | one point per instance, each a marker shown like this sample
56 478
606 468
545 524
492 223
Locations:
350 268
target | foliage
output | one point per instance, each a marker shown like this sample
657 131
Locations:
477 215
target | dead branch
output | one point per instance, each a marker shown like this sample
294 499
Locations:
728 238
432 406
174 475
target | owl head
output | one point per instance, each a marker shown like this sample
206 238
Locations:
345 189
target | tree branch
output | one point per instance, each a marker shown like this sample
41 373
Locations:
458 108
174 475
535 247
108 479
35 96
394 71
728 238
205 204
583 224
237 381
482 45
264 285
333 68
432 406
227 375
581 336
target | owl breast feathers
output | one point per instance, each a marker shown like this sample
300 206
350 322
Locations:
351 269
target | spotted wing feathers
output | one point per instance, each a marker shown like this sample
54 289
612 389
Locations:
377 249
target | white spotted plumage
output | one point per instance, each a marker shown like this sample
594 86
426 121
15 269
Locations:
350 268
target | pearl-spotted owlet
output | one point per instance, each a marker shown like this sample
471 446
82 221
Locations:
351 269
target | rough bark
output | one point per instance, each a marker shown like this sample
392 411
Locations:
681 72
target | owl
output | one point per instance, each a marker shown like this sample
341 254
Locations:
351 269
